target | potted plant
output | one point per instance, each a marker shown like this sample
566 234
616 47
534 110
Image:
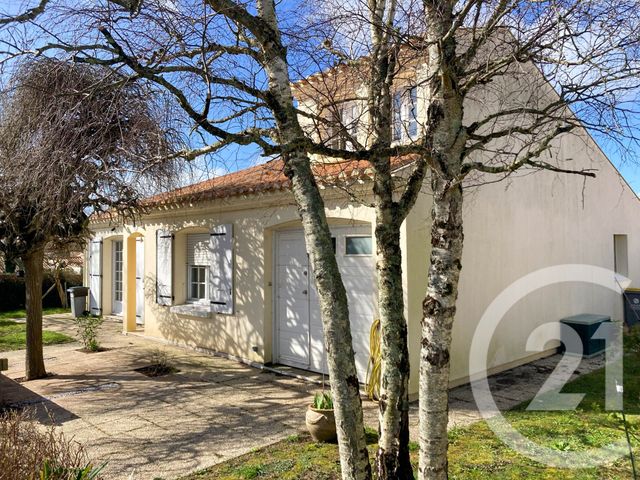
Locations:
320 420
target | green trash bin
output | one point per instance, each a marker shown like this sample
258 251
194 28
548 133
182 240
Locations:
585 325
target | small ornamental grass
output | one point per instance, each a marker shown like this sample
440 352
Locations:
161 364
29 451
322 401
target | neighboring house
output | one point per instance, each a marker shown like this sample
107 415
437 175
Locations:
64 259
222 264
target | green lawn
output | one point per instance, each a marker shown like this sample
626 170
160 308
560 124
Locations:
13 336
11 314
474 452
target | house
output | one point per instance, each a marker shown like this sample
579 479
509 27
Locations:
221 264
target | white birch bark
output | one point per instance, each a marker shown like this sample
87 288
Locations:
448 136
438 315
345 388
392 457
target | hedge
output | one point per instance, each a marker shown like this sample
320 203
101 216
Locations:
12 291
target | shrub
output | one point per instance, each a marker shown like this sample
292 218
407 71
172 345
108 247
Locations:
160 365
29 452
322 401
87 327
632 340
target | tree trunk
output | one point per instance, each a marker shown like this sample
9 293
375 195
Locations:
61 291
392 457
33 273
439 309
345 387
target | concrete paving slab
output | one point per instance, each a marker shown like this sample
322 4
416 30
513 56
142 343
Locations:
211 410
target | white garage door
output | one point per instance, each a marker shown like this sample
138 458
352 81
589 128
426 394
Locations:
299 325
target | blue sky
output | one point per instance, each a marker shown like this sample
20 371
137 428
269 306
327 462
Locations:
630 169
626 160
234 157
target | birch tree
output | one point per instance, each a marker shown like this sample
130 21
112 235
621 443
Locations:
230 69
224 65
354 110
502 82
227 66
73 140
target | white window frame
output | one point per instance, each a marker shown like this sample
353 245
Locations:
190 299
404 114
347 237
118 249
351 123
193 261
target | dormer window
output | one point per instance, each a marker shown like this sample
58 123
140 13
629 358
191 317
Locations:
405 121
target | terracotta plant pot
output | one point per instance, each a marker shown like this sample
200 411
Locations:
321 424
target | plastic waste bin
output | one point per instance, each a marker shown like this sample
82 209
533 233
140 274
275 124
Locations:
585 325
78 300
631 298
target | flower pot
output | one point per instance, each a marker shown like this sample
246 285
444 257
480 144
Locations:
321 424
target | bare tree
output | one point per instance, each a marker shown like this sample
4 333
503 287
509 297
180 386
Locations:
500 80
499 84
228 69
59 259
74 140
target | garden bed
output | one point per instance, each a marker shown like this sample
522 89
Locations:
156 370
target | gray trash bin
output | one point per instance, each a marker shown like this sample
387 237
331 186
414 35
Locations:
78 300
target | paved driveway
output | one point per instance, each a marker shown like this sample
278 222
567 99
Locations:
167 426
211 410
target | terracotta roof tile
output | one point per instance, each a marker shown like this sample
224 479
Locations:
269 177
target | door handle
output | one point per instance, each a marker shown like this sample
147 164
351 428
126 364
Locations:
304 292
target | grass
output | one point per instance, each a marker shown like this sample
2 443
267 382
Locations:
474 451
13 334
13 314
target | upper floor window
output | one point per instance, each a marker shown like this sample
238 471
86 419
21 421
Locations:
350 119
405 121
343 131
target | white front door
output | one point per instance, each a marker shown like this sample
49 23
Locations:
300 340
117 265
292 300
139 281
